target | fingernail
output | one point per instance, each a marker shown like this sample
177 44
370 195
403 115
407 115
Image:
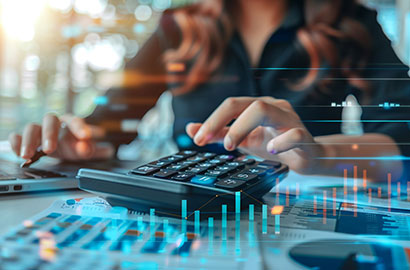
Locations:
47 145
199 137
228 143
23 151
271 149
83 149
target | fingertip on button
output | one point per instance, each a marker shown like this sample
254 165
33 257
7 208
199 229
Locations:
228 143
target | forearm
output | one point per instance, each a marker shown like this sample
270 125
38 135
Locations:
344 152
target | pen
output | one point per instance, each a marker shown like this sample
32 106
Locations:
39 152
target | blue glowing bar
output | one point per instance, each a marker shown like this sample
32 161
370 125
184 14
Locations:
264 218
183 216
140 223
238 235
277 224
183 210
166 229
237 202
197 225
211 222
152 220
386 104
264 211
224 248
224 211
251 212
251 241
140 226
210 235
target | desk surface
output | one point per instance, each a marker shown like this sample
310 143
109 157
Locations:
19 207
15 208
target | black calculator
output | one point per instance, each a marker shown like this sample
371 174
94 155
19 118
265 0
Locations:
203 179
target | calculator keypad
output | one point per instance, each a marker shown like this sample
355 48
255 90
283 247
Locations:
145 170
165 173
203 180
208 169
230 184
183 177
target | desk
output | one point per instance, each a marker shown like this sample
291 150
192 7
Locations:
15 208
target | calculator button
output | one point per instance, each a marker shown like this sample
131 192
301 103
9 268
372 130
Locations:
188 163
196 159
165 174
229 184
159 164
257 170
177 167
244 176
236 164
173 158
205 165
203 180
144 170
197 170
226 157
270 163
183 177
207 155
225 168
247 161
214 173
187 153
217 161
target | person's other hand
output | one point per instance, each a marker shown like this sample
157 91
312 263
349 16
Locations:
264 126
76 143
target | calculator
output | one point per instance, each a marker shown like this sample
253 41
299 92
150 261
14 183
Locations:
205 180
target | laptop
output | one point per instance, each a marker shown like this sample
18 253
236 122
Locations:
48 173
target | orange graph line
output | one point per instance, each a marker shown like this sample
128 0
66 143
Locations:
252 197
216 196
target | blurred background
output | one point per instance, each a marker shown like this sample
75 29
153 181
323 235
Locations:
61 55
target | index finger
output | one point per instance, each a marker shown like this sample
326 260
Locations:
81 130
50 130
229 110
259 113
221 117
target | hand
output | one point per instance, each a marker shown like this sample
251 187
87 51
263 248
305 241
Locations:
266 127
77 142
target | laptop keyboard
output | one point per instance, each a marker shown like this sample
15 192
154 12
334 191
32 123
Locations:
11 171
